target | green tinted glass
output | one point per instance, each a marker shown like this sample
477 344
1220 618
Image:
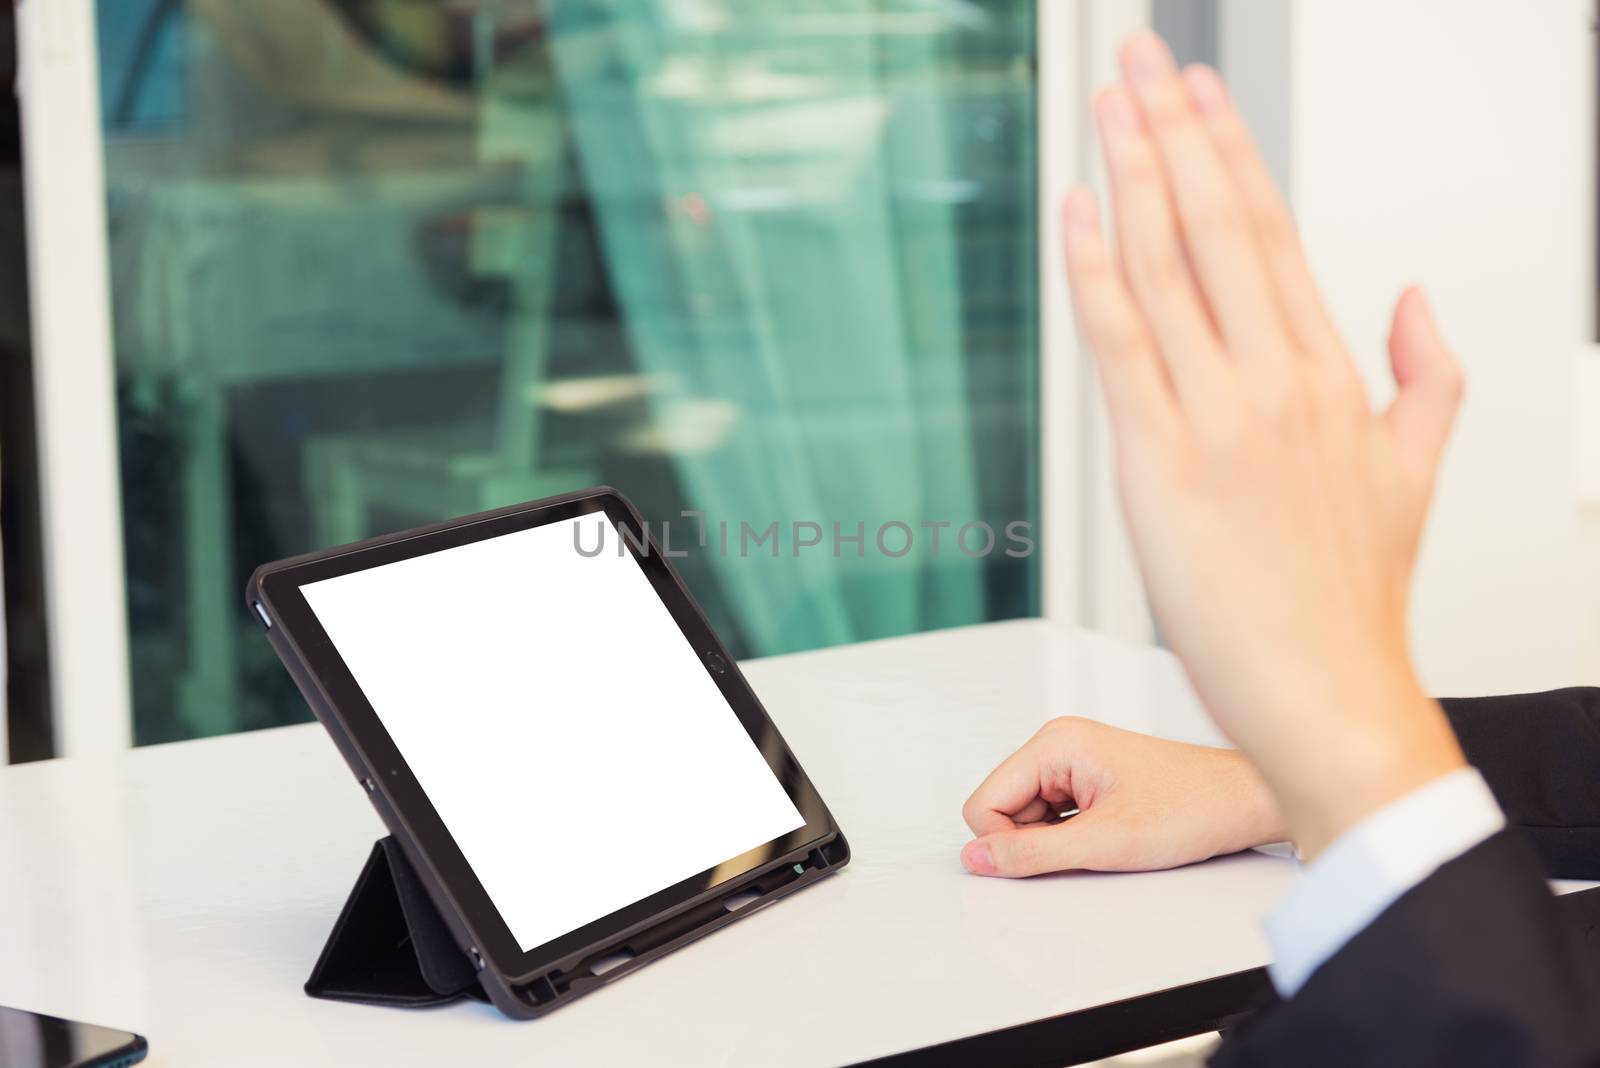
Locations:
381 262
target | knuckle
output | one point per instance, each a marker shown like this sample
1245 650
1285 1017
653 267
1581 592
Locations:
1240 446
1136 168
1169 113
1157 268
1214 211
1086 266
1105 322
1280 237
1232 139
1284 403
1113 335
1341 383
1289 407
1063 726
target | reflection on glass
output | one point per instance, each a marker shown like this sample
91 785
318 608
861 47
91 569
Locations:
382 262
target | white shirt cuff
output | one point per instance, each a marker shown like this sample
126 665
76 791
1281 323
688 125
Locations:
1371 865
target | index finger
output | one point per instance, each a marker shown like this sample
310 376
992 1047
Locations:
1276 234
1011 790
1219 240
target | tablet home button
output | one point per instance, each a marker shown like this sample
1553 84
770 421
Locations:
716 663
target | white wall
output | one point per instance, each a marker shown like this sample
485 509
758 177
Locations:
1449 142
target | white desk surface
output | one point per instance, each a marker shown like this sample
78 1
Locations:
184 891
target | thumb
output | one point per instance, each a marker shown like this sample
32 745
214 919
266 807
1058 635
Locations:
1025 851
1430 382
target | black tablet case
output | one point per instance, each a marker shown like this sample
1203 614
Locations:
389 945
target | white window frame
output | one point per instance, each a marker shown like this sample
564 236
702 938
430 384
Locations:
1090 578
74 376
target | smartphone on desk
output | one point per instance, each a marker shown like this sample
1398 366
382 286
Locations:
29 1040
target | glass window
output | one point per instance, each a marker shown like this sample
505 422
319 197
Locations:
382 262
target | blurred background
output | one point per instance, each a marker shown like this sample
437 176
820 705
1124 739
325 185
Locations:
279 274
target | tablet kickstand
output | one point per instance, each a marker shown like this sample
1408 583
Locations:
389 946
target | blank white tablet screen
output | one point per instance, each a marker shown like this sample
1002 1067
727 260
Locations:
560 722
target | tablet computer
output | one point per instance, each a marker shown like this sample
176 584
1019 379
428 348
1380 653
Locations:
565 752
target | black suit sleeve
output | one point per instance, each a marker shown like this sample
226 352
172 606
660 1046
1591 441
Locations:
1540 754
1477 965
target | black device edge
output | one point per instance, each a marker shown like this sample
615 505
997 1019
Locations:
573 974
131 1051
1093 1034
130 1054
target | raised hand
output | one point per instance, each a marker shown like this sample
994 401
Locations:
1274 514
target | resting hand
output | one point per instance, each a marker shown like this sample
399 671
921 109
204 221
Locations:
1144 803
1274 515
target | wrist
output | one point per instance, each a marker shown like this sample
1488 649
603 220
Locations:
1364 767
1260 821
